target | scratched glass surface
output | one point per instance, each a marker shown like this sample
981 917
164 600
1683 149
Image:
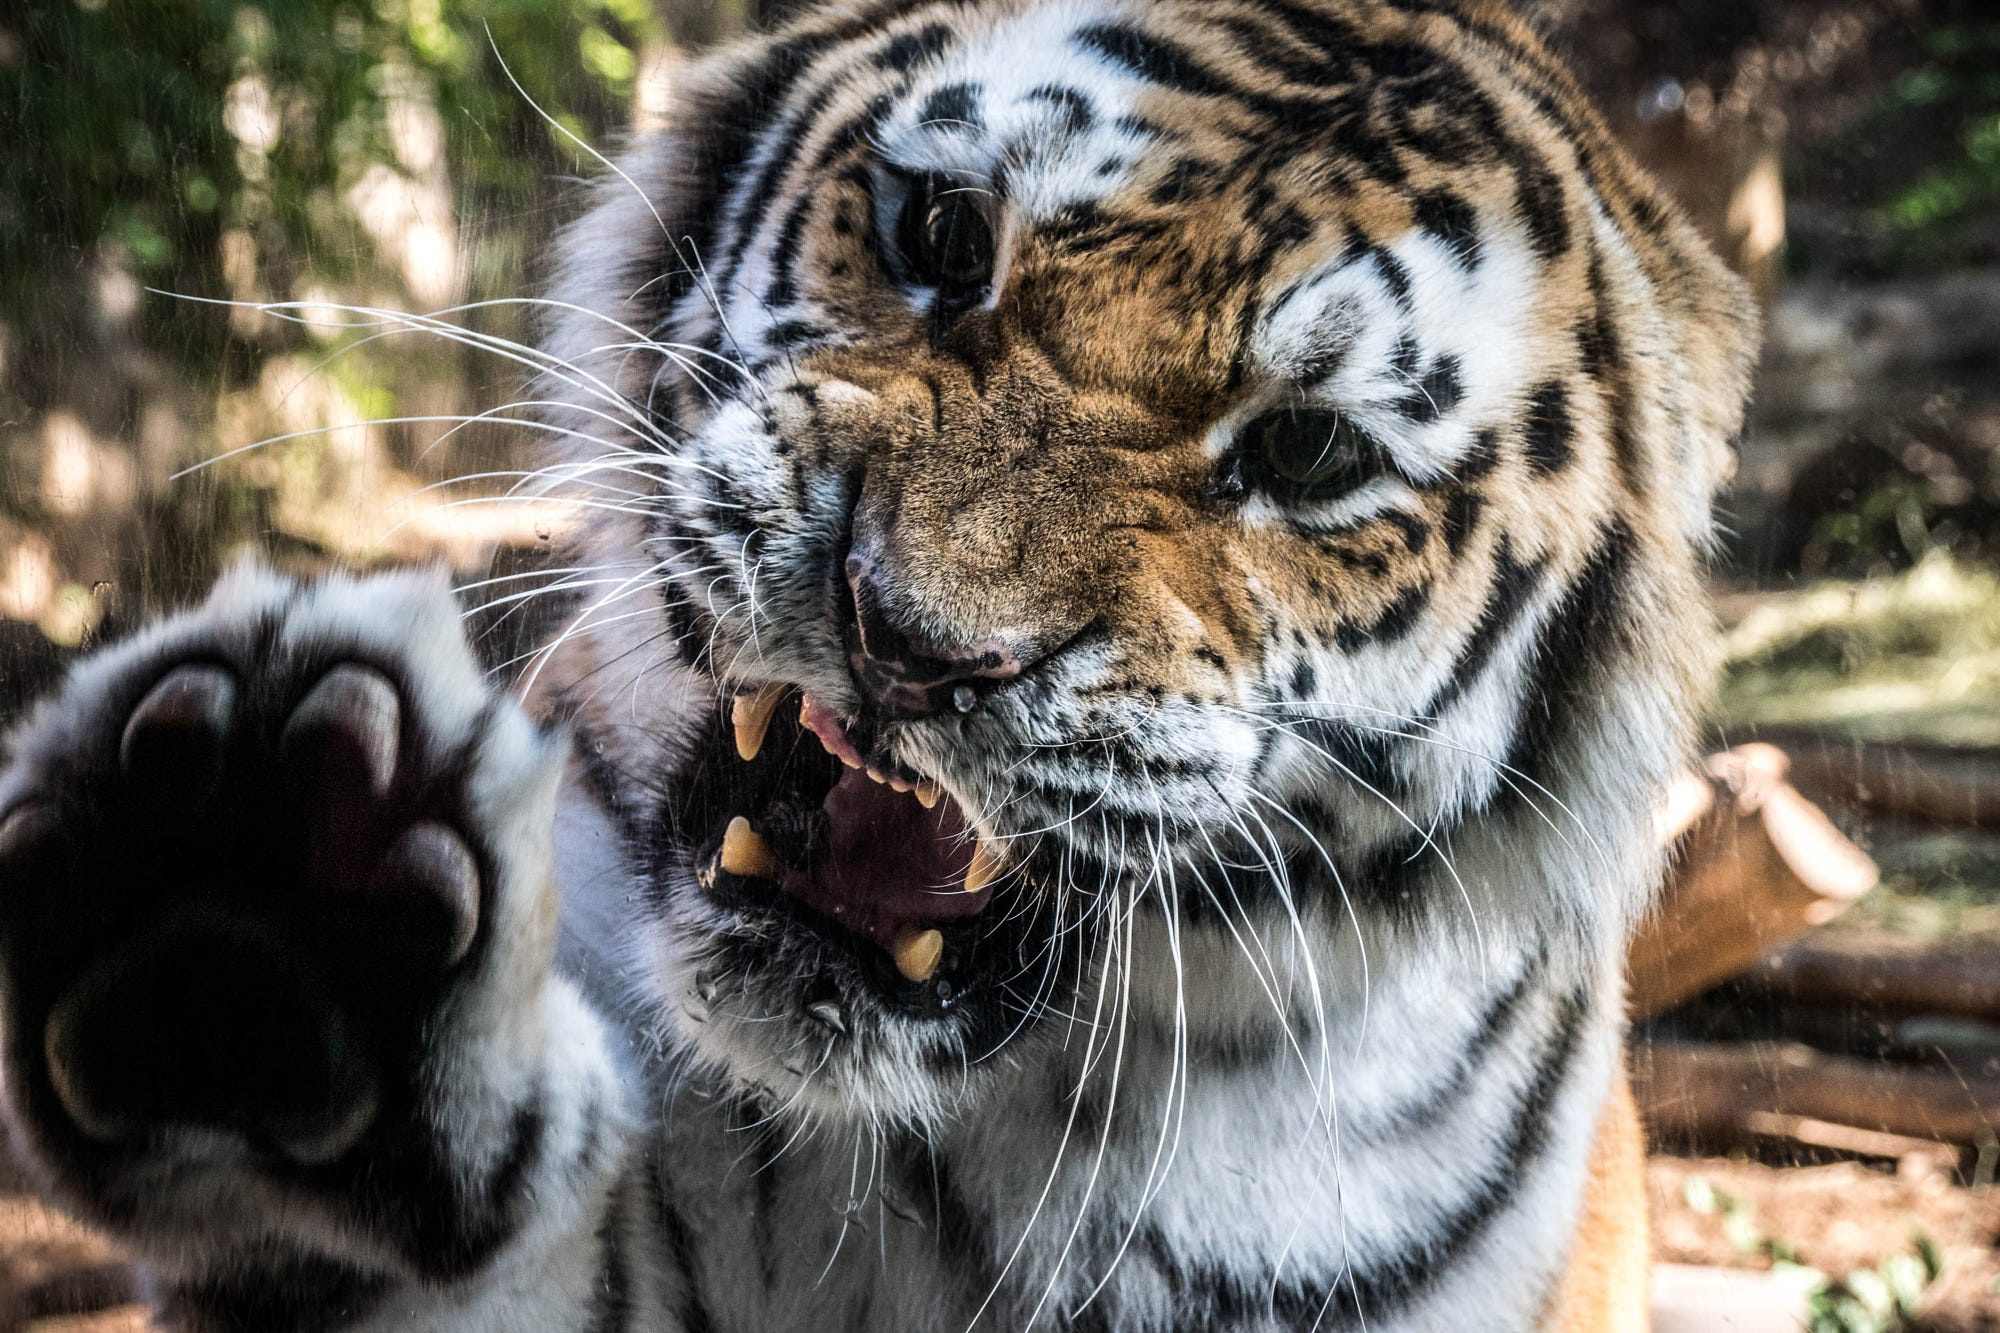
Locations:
264 272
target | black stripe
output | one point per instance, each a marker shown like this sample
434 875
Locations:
1228 890
1209 1298
1156 60
1584 636
747 219
1461 516
1259 43
1554 93
694 1315
952 107
785 254
908 50
1360 754
1545 439
1331 40
1450 218
1602 352
1077 113
611 1302
1396 619
1424 1110
1169 65
1543 205
1507 596
792 334
272 1290
1479 460
962 1234
1416 532
1435 395
766 1195
1378 1293
728 133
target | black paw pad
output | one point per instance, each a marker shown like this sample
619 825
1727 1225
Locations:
206 1023
176 741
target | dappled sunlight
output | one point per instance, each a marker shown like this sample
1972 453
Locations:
1914 656
80 472
29 578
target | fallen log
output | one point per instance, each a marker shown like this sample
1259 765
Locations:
1883 975
1924 781
1755 865
1703 1092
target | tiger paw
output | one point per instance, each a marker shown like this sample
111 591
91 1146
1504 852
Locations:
256 866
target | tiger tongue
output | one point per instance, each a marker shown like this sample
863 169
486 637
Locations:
887 862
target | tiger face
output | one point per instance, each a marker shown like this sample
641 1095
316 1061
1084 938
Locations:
1096 489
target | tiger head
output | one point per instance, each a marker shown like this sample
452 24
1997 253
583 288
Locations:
1078 495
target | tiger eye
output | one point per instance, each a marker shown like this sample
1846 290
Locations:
946 238
1315 453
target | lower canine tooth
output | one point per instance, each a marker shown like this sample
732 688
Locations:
750 714
918 953
745 854
985 865
928 794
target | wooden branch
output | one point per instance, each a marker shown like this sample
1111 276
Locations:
1756 865
1712 1092
1904 1149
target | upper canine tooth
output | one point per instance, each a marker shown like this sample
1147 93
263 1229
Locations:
746 854
985 865
751 716
918 953
928 794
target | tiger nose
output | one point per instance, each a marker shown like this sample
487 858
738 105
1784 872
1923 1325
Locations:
905 673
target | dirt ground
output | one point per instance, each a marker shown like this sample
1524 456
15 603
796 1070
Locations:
1837 1218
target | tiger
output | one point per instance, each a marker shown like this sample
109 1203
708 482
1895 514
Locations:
1135 587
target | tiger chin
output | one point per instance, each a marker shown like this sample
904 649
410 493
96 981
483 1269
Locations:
1135 589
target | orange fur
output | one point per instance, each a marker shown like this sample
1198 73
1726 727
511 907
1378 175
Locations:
1604 1285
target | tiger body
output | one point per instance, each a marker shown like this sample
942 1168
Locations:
941 375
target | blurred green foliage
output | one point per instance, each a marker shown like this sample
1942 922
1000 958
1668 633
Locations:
152 126
1884 1298
1923 159
1960 82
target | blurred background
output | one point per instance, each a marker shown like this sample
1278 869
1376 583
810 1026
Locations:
1825 1113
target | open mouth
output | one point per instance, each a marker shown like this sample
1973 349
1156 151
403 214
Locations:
812 806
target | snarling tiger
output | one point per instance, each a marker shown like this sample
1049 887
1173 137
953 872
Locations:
1136 589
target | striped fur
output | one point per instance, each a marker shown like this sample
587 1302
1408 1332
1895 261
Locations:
1326 814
